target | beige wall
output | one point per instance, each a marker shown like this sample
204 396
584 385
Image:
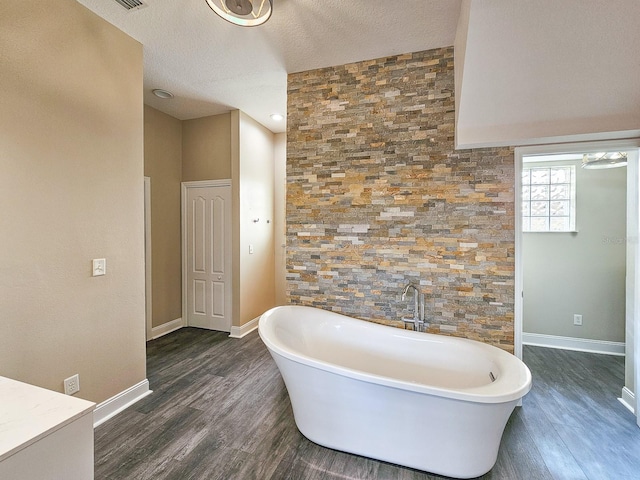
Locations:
71 189
252 184
163 164
206 148
279 214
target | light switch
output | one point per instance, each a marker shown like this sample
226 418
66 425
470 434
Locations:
99 266
250 248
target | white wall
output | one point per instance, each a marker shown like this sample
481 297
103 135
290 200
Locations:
459 51
547 71
583 272
632 373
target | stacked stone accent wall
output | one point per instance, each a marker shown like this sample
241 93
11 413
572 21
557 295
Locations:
377 197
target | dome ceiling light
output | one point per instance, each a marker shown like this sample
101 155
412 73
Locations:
600 160
246 13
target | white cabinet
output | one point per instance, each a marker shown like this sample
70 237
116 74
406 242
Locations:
44 435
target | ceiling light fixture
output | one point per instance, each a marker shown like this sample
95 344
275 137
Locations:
158 92
276 116
600 160
246 13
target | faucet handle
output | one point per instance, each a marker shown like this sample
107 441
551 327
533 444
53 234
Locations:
409 320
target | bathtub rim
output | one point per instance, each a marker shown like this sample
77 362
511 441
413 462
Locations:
513 383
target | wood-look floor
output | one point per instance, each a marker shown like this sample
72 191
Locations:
220 411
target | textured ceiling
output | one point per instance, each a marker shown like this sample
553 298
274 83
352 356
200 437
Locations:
212 66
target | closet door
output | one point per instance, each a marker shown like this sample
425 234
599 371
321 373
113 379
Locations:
207 268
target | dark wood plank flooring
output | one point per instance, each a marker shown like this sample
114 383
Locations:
221 411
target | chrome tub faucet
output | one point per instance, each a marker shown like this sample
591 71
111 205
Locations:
418 307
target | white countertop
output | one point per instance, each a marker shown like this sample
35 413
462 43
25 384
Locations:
29 413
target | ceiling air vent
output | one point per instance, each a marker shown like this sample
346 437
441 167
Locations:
131 4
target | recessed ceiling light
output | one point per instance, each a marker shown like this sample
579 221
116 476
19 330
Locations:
276 116
158 92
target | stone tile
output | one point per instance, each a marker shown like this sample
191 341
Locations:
377 196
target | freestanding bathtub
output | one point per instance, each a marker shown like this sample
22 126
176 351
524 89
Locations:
425 401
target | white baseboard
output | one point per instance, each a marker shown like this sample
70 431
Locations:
571 343
239 332
114 405
628 399
172 326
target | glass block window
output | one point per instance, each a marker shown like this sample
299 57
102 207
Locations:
549 199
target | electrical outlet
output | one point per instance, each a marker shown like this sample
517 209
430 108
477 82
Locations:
72 384
577 319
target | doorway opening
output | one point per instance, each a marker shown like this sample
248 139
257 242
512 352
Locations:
587 263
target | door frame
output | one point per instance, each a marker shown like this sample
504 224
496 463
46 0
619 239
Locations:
184 187
148 278
632 318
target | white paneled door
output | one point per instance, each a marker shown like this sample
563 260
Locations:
207 255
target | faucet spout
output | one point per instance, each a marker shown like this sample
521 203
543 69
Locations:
406 290
418 306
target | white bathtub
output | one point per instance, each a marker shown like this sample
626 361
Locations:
415 399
